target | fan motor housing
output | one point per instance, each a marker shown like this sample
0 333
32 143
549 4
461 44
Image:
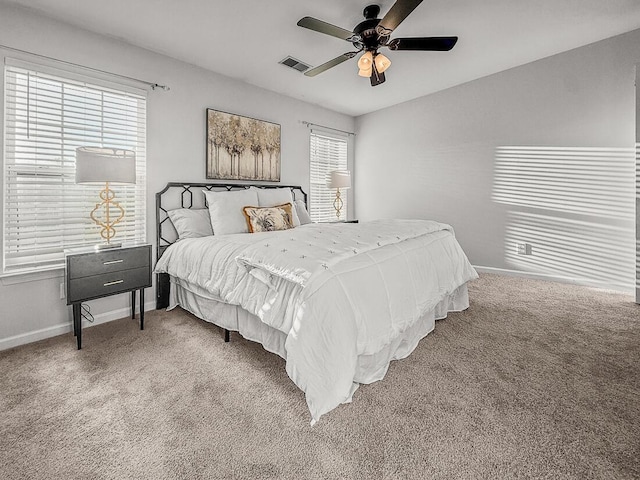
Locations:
366 30
371 11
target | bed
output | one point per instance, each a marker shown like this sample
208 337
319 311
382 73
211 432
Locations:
337 301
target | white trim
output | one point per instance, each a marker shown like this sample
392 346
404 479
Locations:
549 277
637 153
61 329
332 132
127 130
31 276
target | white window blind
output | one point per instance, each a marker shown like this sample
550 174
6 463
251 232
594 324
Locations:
328 153
48 114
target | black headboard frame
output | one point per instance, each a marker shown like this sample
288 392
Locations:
189 195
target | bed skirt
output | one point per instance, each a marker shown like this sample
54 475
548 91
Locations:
370 368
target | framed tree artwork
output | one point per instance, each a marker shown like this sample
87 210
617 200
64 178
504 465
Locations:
242 148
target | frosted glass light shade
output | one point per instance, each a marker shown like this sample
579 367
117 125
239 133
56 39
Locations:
366 61
101 165
365 73
339 179
382 63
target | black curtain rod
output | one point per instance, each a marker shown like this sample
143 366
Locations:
309 124
150 84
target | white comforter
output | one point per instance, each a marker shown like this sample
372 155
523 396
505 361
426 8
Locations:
336 290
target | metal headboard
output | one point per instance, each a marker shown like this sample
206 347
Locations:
189 195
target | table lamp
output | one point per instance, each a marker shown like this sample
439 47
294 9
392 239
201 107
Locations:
339 179
106 165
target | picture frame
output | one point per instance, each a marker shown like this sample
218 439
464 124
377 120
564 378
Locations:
242 148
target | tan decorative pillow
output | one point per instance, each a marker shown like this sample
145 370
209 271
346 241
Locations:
268 219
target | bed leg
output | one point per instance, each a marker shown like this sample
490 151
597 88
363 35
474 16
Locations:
226 335
163 284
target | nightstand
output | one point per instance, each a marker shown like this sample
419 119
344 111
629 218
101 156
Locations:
92 274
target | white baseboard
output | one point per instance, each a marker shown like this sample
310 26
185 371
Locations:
523 274
67 327
63 328
549 277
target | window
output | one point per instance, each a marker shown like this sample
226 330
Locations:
48 114
328 153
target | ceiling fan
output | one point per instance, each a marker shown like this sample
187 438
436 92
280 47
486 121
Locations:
372 34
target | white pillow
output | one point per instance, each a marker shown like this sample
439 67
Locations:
301 209
272 197
191 222
225 210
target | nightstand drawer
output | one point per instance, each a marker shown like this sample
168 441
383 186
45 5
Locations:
98 263
86 288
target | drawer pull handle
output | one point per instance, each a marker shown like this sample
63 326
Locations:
115 282
112 262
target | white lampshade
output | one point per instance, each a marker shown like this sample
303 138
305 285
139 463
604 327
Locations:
339 179
100 165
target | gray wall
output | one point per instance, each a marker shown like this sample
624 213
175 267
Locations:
30 306
541 153
434 157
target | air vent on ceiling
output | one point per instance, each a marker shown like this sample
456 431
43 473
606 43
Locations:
295 64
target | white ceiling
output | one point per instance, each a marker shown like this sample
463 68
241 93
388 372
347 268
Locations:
245 39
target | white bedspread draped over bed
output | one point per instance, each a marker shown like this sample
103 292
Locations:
337 291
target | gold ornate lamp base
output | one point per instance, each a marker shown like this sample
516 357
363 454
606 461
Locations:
107 232
338 203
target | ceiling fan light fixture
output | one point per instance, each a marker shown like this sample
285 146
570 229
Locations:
382 63
372 34
366 61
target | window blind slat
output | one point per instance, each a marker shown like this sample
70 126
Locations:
328 153
48 116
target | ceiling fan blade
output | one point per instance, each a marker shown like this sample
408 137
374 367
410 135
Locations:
394 17
439 44
328 29
330 64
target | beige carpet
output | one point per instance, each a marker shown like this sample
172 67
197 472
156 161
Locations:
535 380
